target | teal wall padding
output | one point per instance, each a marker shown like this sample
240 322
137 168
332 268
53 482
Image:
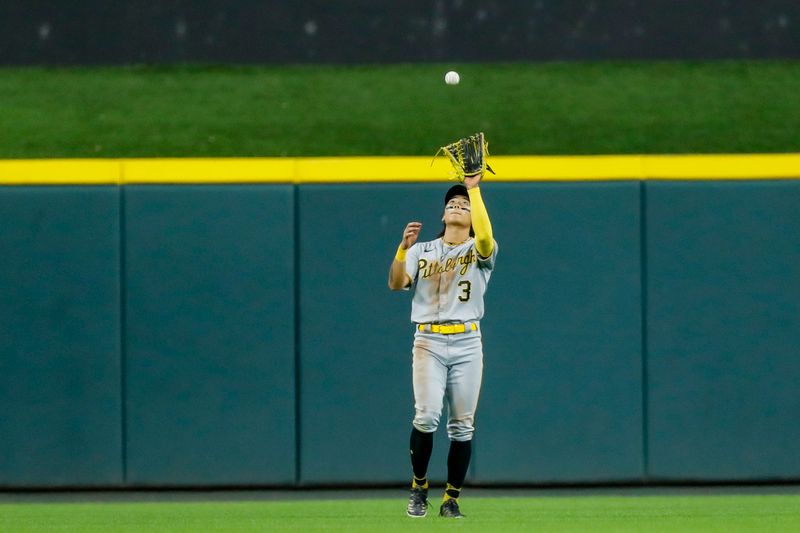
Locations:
562 394
209 328
723 329
356 399
562 397
188 335
60 396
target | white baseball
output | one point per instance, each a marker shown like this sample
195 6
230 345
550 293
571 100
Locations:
452 78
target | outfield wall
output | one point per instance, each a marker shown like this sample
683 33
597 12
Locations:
231 334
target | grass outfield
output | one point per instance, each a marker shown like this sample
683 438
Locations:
726 513
555 108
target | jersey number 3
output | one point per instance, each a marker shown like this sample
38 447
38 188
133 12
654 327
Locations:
466 286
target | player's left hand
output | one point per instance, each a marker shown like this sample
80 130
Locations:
472 181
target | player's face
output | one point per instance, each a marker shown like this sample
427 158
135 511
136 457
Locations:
457 211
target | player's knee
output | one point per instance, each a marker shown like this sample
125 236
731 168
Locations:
426 421
460 430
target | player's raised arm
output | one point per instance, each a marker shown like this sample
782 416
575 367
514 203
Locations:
398 278
484 240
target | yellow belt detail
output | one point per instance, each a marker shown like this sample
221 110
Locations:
448 329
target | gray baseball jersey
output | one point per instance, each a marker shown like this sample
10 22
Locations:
449 281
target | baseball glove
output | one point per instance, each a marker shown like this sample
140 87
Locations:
468 156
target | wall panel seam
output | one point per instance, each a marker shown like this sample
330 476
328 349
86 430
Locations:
644 325
123 335
297 337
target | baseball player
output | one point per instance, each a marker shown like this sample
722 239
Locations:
449 276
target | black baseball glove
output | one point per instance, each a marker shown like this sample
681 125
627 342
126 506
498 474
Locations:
468 156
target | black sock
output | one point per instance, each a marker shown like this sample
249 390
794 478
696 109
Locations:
457 465
421 449
452 492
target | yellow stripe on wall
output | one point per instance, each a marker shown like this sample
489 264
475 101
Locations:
60 171
547 168
239 170
739 166
370 169
393 169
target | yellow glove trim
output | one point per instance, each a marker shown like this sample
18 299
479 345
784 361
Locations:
484 241
401 254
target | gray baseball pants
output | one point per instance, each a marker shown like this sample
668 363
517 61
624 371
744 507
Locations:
447 367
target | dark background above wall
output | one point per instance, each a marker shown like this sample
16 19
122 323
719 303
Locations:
359 31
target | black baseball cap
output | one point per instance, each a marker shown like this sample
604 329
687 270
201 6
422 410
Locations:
455 190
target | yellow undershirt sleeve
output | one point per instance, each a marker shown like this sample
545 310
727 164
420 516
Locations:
484 241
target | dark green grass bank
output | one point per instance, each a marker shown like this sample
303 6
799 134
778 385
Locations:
582 514
557 108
